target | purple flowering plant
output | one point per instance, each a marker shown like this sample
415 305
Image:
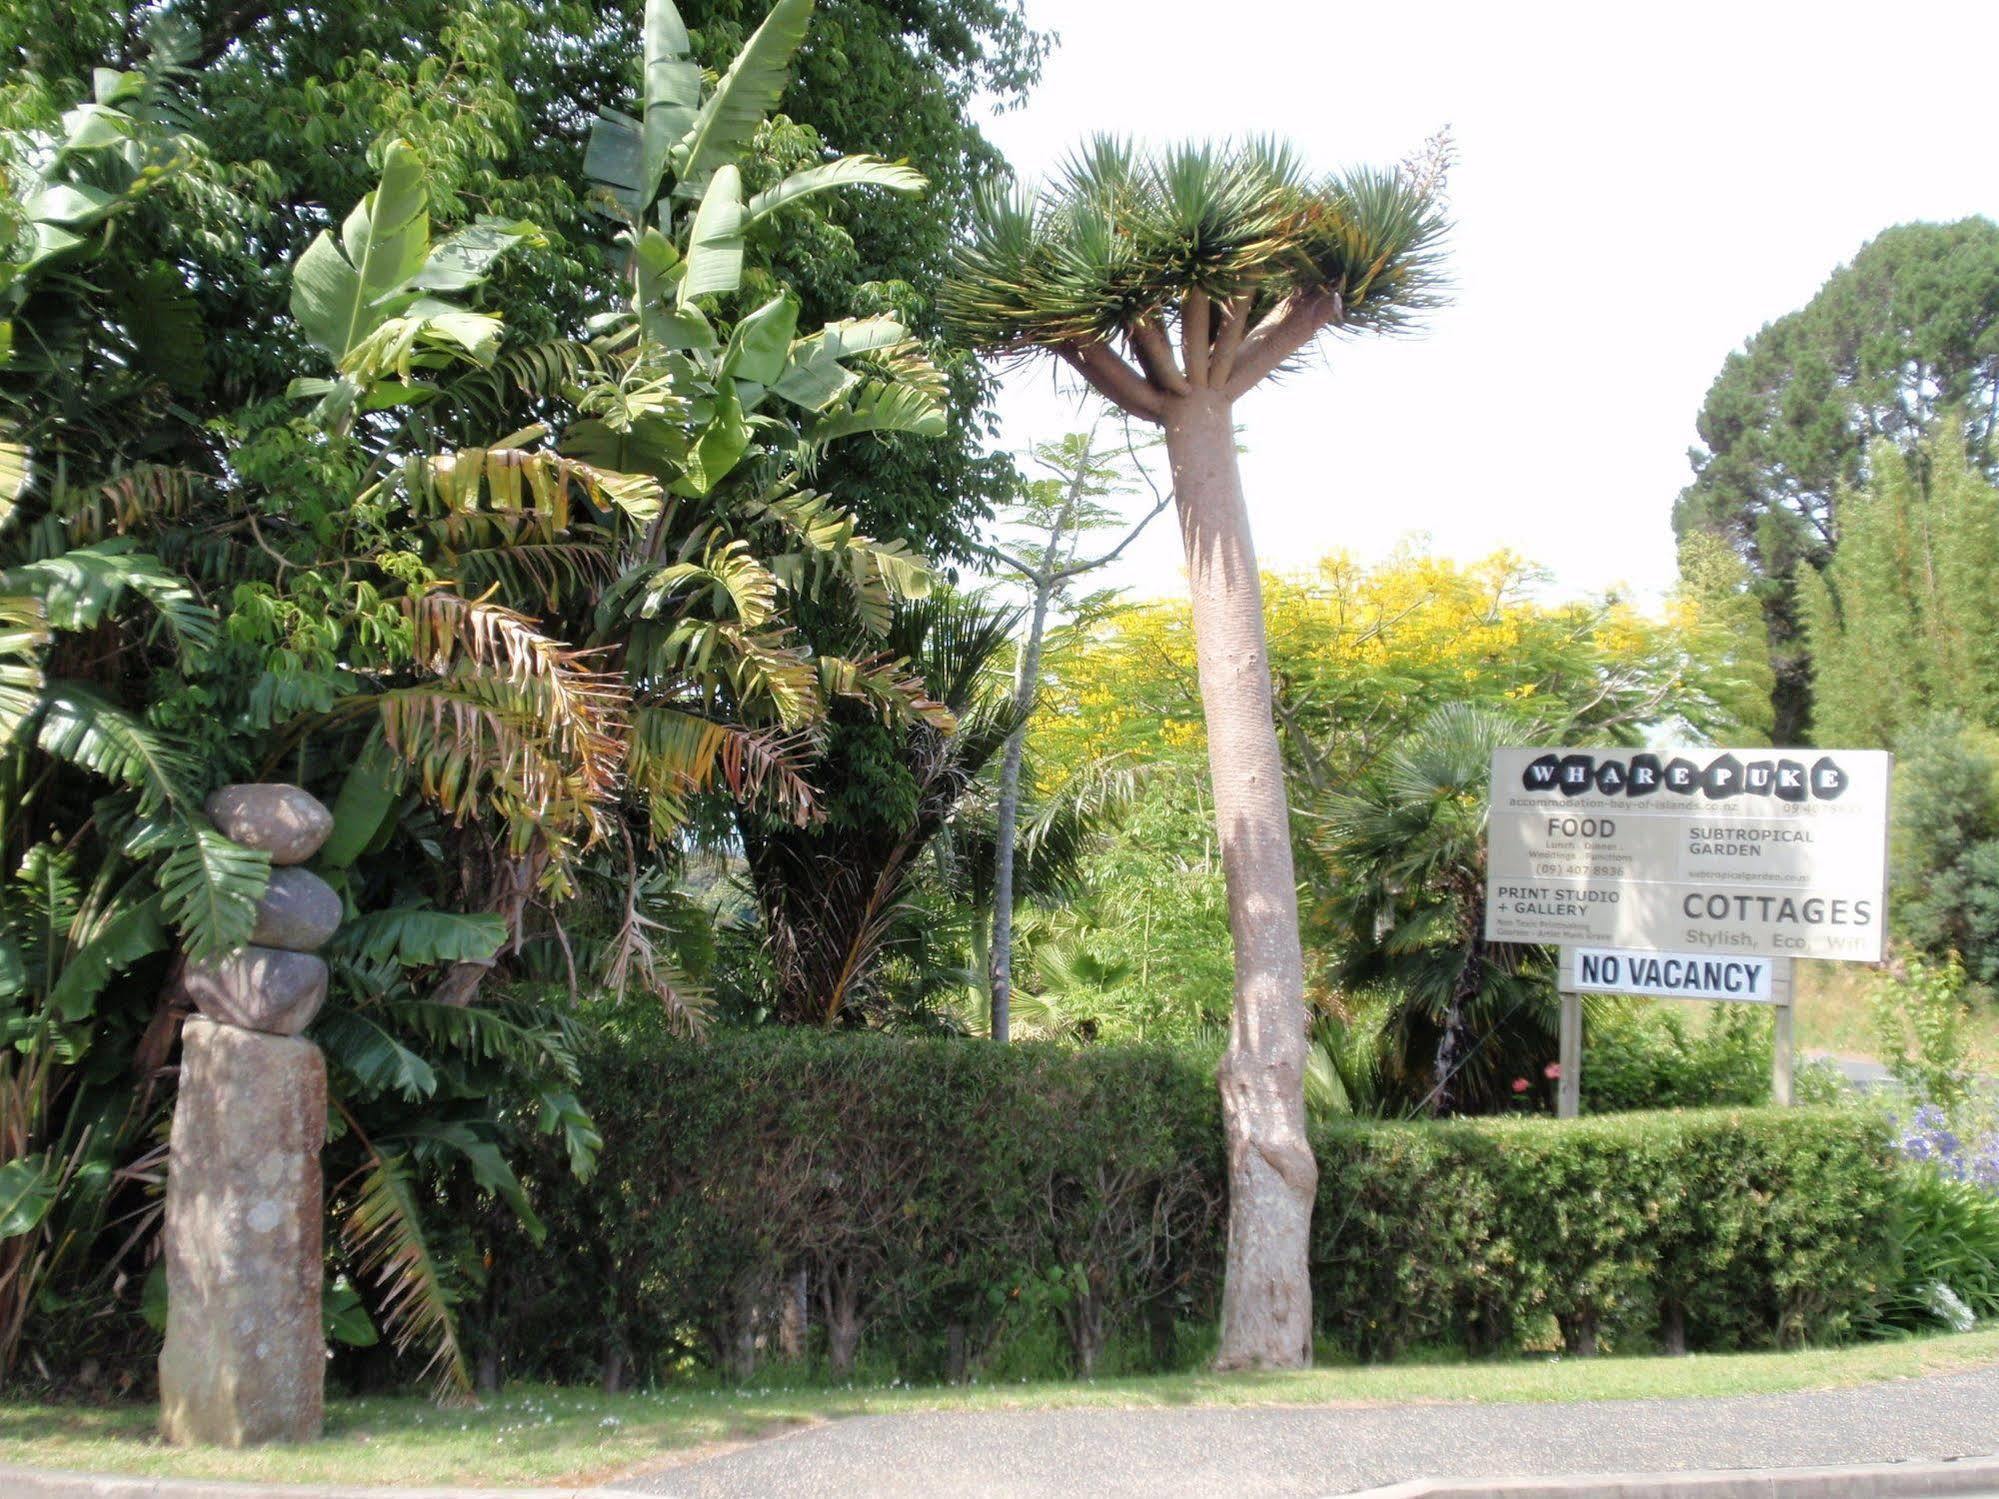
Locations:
1927 1137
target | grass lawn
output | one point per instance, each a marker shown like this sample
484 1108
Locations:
1832 1014
539 1434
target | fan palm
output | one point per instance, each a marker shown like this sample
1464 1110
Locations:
1405 853
1174 283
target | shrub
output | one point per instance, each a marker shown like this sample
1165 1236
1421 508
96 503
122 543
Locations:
945 1208
1745 1228
934 1200
1646 1055
1919 1017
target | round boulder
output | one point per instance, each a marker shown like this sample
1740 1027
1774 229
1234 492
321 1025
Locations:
260 989
286 822
299 912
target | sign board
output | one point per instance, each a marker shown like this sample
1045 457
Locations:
1710 852
1676 975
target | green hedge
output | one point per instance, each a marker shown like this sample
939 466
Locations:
1724 1229
947 1207
944 1205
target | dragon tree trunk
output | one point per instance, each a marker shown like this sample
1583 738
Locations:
1267 1297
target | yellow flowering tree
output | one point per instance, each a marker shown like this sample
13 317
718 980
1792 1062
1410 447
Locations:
1360 657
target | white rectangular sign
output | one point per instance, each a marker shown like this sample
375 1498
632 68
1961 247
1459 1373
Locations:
1771 853
1676 975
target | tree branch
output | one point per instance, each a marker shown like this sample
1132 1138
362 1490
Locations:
1235 323
1000 555
1196 334
1114 380
227 29
1076 568
1291 325
1155 354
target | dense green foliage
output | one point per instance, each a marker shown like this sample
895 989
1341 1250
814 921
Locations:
1648 1055
946 1208
1361 659
1911 587
1893 340
513 611
1703 1230
498 99
944 1200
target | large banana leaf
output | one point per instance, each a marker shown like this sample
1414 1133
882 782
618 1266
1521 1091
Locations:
715 244
672 90
627 157
880 406
338 288
368 794
748 91
28 1189
129 933
848 171
366 299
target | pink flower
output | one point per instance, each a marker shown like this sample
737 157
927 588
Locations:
1521 1085
1552 1071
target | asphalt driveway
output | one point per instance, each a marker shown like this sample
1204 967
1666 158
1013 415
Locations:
1312 1450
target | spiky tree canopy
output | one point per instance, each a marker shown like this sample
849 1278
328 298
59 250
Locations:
1235 251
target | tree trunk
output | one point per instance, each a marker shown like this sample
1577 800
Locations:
1026 680
840 1307
1673 1327
1267 1295
794 1319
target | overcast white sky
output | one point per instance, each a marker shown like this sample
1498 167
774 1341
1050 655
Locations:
1639 188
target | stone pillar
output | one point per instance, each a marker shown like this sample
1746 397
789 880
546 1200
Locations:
245 1357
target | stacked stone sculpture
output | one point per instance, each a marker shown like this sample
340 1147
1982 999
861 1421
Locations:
245 1357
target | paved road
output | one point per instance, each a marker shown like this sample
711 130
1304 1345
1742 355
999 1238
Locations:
1164 1454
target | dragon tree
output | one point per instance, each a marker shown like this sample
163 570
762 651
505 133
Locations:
1175 282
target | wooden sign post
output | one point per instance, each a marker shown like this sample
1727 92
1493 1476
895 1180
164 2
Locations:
1668 975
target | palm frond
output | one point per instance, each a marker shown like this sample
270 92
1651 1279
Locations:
513 481
677 754
415 936
509 683
210 887
95 734
141 497
367 1050
80 587
24 636
384 1232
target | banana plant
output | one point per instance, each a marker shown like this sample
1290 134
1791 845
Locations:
66 189
370 302
691 150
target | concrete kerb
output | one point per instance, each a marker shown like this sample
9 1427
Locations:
39 1483
1968 1476
1976 1475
